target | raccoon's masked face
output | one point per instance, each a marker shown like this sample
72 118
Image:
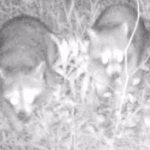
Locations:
107 47
22 90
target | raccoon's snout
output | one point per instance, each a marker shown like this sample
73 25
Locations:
115 75
114 70
23 116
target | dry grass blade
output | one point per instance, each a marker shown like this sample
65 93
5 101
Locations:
125 86
77 115
68 7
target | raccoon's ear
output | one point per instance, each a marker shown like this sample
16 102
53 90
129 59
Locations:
53 46
39 71
92 34
55 39
2 74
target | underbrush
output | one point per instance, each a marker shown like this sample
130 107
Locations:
80 113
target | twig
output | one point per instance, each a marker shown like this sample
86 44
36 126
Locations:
126 65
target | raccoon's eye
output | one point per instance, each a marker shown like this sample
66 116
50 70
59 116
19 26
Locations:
13 97
30 94
118 55
106 56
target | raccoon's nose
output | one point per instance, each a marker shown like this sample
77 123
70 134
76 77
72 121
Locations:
115 75
23 116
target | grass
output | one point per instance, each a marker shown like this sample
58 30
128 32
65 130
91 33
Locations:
75 115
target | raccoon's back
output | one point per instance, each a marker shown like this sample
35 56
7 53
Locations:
118 14
22 42
23 27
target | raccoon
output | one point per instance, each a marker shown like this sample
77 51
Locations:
110 35
26 61
22 90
